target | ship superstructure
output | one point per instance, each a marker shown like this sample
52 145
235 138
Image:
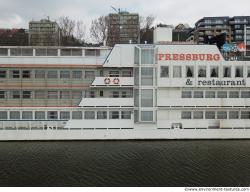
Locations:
128 92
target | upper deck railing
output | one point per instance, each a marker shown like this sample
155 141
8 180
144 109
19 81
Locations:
6 51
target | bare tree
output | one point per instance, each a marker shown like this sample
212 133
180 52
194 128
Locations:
80 31
146 24
67 27
98 29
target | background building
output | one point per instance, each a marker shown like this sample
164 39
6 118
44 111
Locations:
181 33
44 33
123 28
209 27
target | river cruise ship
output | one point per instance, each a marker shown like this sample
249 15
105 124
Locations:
126 92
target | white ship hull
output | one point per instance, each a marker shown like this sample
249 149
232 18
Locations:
124 134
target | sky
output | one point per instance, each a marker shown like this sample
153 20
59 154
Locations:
17 13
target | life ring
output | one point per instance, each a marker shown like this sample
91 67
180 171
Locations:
107 81
116 81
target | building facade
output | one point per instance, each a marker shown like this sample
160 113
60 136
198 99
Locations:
123 28
44 33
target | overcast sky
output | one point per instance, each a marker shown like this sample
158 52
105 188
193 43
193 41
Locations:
17 13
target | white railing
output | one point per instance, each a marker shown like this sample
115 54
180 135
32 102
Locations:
107 102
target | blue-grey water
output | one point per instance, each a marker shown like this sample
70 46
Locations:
126 163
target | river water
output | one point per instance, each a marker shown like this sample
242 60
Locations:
126 163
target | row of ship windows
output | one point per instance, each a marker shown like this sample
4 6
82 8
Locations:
41 94
16 94
41 74
62 74
215 115
215 94
213 71
63 115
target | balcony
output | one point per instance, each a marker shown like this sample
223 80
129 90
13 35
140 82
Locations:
107 102
113 82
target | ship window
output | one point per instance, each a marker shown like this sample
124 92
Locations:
52 52
92 52
124 94
27 115
233 94
64 74
202 71
221 115
76 115
210 115
40 74
114 115
27 52
186 115
89 115
210 94
137 56
233 114
214 71
52 95
245 114
186 94
198 115
101 93
14 114
147 56
92 94
147 116
40 95
198 94
15 94
89 74
101 114
115 94
3 115
127 73
126 115
245 94
15 74
248 71
146 98
77 74
52 74
26 74
177 72
114 74
189 71
64 115
164 71
41 52
76 94
64 95
222 94
2 74
2 94
76 52
52 115
3 52
239 71
147 76
15 52
26 94
226 71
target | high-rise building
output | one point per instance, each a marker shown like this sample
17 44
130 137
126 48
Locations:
209 27
123 28
44 33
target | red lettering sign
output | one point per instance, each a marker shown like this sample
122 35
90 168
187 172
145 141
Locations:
188 57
